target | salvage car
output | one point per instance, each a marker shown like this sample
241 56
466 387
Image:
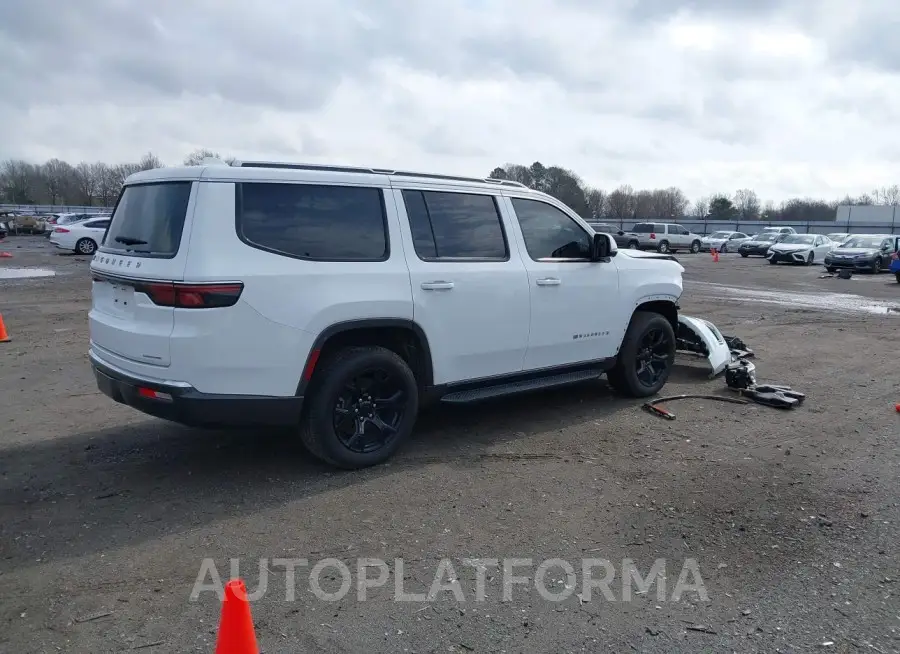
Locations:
723 241
800 248
863 252
384 291
759 244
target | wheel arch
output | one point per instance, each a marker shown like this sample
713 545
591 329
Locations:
405 337
666 308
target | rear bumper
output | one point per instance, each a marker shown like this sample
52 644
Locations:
183 404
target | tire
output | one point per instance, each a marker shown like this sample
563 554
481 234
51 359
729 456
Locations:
626 377
695 247
663 247
724 248
85 246
830 269
330 397
898 277
772 261
633 245
744 254
810 258
876 265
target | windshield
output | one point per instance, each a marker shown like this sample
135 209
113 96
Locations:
805 239
867 242
720 235
767 236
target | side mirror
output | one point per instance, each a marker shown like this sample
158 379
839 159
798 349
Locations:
602 247
621 233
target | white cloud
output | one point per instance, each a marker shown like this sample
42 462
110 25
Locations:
789 98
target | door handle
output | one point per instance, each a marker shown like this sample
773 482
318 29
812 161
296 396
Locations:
548 281
437 286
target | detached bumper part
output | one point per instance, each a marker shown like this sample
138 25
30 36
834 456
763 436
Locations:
701 337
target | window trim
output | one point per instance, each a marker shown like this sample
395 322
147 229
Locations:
104 247
525 242
436 259
239 212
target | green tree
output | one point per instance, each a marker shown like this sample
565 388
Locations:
721 208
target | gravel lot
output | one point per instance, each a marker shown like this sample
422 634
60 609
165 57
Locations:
792 517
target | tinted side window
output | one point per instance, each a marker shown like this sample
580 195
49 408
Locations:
642 228
549 233
455 225
305 221
97 224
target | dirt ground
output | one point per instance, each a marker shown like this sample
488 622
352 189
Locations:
792 517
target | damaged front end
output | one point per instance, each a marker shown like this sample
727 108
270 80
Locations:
701 338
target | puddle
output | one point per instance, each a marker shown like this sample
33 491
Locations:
25 273
841 302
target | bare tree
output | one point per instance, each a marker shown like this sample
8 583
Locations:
701 207
669 203
746 201
20 180
196 157
149 161
621 203
86 182
643 205
887 195
596 201
57 176
108 183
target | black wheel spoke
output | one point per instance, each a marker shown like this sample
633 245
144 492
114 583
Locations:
369 410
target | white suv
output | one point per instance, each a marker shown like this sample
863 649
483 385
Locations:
340 300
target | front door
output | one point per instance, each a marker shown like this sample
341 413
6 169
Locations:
574 302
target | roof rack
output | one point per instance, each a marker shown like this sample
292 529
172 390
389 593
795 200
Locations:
376 171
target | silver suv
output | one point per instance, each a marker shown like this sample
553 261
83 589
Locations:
663 237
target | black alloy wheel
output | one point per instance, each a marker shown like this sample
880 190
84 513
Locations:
369 411
652 360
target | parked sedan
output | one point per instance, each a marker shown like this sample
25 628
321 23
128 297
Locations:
800 248
870 252
3 230
82 237
724 241
759 244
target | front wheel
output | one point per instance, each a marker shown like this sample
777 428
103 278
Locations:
695 247
744 254
772 261
830 269
724 248
361 408
85 246
876 266
633 245
809 259
646 357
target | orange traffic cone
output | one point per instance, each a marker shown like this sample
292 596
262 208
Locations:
4 336
5 255
236 634
715 255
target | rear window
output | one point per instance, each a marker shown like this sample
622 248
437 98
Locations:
316 222
149 219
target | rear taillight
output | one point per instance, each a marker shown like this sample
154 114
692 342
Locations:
61 230
652 235
183 295
191 296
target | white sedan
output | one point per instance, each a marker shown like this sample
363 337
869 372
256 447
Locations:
801 248
723 241
82 237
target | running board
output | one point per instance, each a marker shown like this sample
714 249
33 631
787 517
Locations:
513 388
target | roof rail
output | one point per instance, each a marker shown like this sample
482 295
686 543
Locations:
375 171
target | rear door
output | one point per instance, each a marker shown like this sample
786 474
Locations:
469 287
146 242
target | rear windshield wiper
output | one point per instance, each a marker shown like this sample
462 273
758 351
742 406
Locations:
128 240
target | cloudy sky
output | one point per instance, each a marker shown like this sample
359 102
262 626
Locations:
789 97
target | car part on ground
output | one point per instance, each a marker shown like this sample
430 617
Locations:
654 408
700 337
